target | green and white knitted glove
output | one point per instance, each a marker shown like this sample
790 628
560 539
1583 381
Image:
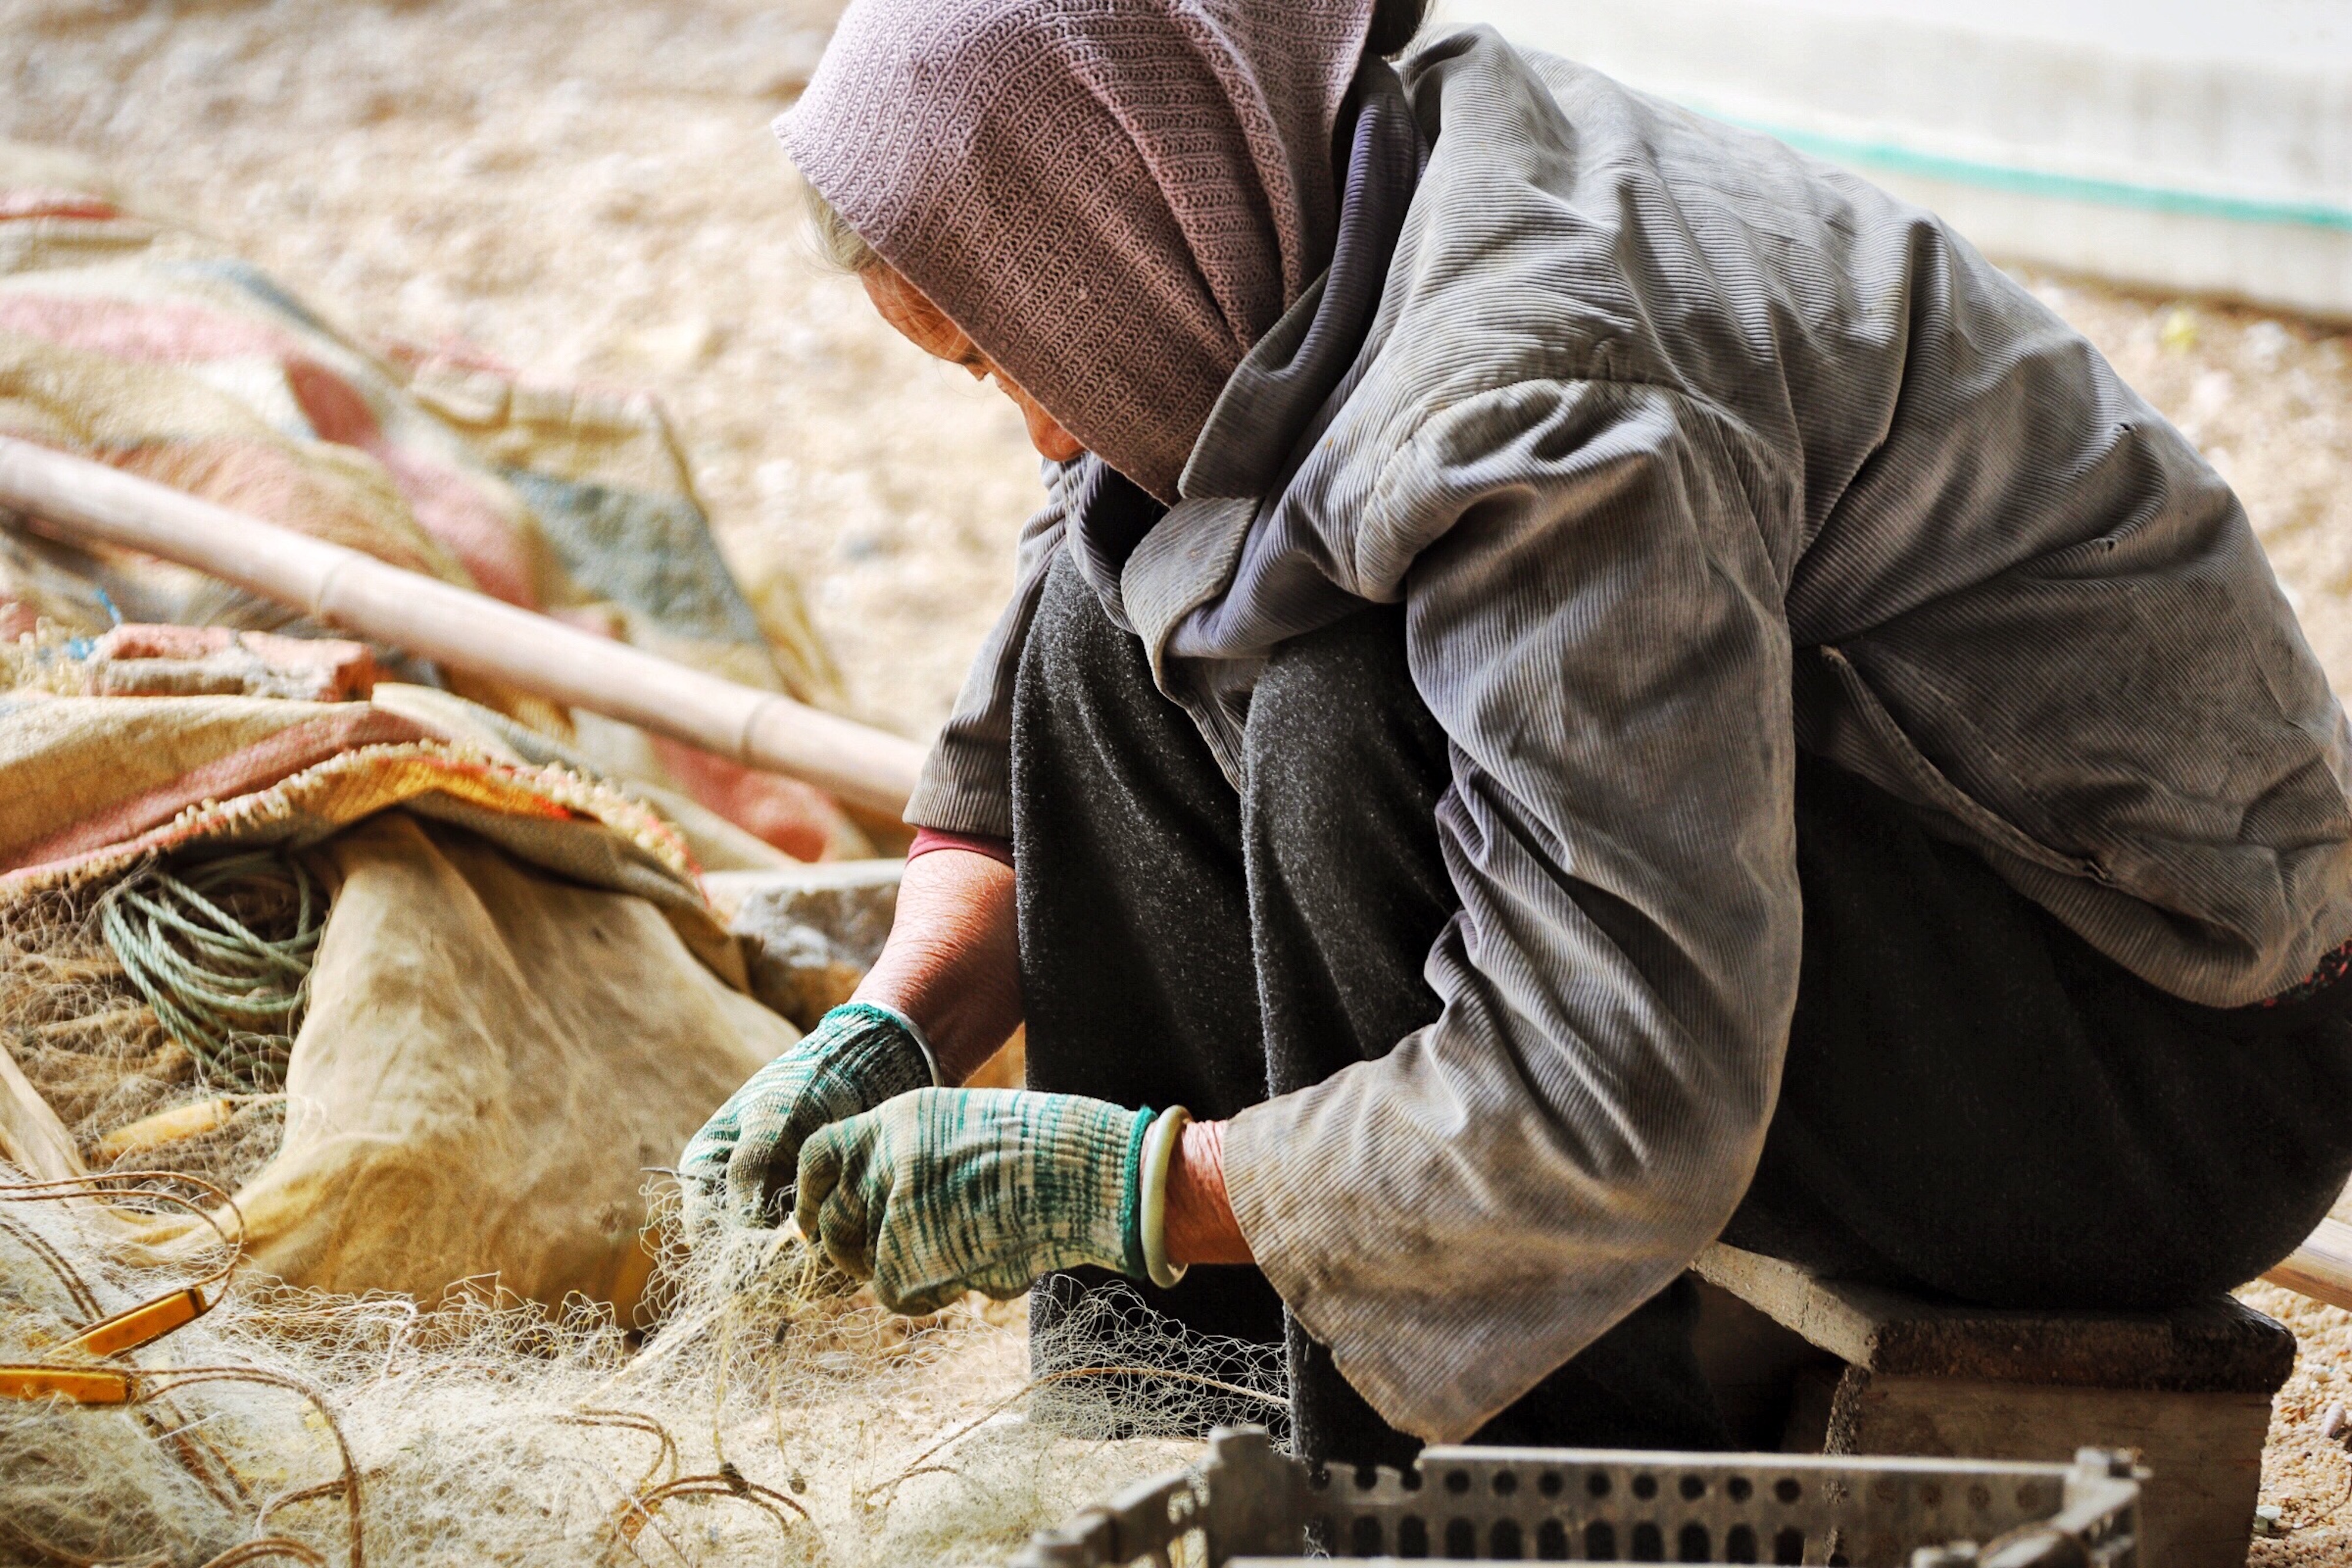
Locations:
949 1190
858 1055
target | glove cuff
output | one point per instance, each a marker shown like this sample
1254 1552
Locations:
878 1049
1133 1260
883 1013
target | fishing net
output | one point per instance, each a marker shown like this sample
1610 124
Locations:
765 1410
213 1035
414 1013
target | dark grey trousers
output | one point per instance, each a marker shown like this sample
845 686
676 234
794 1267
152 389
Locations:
1975 1102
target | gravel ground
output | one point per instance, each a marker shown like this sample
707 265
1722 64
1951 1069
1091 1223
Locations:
2307 1476
590 190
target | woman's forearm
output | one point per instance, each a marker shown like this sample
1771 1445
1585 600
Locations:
953 960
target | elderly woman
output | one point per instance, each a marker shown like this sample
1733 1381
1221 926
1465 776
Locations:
1585 683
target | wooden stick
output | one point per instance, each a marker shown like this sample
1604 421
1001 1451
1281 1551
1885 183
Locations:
2322 1267
466 631
31 1137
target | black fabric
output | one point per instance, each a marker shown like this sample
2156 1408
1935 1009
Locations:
1975 1102
1108 517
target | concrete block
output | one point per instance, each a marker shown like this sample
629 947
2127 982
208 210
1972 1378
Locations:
2191 1388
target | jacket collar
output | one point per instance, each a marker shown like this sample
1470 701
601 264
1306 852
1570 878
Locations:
1273 398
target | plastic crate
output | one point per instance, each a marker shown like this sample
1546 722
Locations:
1248 1504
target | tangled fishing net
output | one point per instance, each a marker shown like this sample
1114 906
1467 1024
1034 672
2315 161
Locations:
756 1405
773 1412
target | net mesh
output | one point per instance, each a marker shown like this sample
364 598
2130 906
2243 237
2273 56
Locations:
766 1410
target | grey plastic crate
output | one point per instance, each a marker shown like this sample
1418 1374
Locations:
1248 1504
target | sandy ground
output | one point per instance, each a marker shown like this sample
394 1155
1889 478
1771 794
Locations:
2308 1476
590 190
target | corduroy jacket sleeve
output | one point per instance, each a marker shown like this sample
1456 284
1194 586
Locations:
1594 617
966 786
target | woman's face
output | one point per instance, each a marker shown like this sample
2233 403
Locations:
920 323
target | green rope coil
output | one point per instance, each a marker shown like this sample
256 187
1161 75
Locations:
185 935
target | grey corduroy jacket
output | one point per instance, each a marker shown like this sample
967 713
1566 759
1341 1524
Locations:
1683 452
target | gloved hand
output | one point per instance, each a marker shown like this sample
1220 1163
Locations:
856 1057
949 1190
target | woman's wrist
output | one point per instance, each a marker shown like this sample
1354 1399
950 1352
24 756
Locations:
1200 1224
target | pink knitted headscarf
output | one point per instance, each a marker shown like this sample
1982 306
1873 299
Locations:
1114 199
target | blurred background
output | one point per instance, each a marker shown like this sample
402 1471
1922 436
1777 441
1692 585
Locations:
589 190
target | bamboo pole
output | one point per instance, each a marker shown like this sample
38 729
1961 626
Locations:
2322 1267
87 501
